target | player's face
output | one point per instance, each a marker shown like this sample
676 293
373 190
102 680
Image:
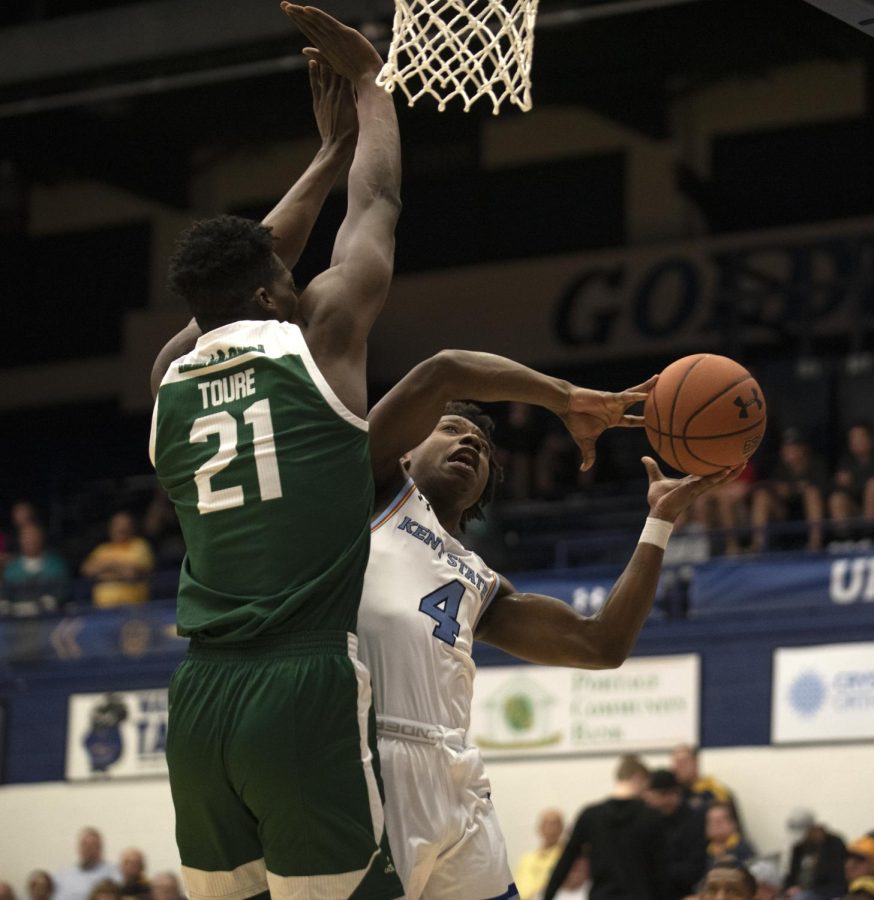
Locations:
454 459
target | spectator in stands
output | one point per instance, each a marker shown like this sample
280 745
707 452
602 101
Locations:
555 465
723 835
6 892
21 513
816 870
768 880
728 880
684 831
161 528
794 492
860 858
725 509
533 869
625 841
862 887
40 885
105 889
578 883
700 791
165 886
132 866
121 566
76 882
516 452
37 579
852 491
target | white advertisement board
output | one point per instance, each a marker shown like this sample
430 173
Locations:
823 693
648 704
116 735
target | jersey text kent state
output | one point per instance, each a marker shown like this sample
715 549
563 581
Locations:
426 536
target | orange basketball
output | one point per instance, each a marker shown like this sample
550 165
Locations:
705 413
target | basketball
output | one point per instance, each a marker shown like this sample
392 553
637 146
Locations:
705 413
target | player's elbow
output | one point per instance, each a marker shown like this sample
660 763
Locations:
600 654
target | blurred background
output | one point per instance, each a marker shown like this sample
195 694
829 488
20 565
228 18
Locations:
695 175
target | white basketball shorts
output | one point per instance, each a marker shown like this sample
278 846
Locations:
439 816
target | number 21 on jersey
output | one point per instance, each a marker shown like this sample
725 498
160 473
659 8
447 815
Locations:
223 424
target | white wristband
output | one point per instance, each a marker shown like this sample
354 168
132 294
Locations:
656 531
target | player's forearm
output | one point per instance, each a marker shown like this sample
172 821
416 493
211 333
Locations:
489 378
617 625
376 169
293 218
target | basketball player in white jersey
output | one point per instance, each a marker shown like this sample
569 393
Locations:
426 597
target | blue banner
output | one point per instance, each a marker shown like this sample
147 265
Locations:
781 581
135 632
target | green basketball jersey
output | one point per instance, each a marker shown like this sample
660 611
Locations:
270 476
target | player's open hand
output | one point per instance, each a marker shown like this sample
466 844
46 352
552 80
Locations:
590 413
344 49
333 105
668 497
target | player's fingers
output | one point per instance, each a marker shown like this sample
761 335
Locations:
629 398
315 55
628 421
653 472
644 388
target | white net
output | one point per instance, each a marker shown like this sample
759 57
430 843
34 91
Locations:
452 48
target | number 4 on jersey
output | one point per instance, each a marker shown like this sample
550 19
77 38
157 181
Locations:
442 606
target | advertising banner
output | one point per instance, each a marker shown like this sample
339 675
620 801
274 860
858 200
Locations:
647 704
660 299
116 735
823 693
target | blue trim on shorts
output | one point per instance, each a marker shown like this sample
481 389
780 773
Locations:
511 893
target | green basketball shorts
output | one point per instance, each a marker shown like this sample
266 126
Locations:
273 771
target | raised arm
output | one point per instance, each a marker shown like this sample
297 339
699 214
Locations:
547 631
407 414
292 219
342 303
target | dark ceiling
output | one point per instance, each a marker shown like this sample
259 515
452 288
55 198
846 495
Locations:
627 67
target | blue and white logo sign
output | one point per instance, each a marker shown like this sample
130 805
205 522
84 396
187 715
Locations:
807 693
823 693
116 735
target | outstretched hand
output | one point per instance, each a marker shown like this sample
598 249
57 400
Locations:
668 497
333 105
590 413
344 49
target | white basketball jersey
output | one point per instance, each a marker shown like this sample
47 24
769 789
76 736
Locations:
424 593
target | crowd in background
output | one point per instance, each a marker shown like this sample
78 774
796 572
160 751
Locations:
92 877
660 832
657 836
794 500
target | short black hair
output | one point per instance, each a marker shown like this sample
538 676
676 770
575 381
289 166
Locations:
486 425
730 862
218 264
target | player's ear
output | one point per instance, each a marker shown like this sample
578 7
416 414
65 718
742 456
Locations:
405 462
262 299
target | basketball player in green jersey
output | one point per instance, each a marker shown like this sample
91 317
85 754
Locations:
260 440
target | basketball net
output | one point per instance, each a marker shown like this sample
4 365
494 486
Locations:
450 48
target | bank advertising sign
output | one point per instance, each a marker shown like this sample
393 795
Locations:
116 735
650 703
823 693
